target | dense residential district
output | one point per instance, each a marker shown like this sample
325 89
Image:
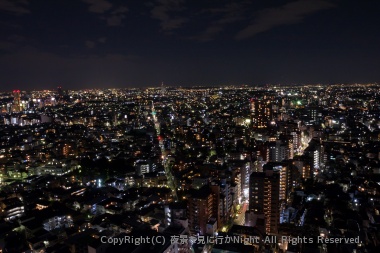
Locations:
200 169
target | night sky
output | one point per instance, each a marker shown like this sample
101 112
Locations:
103 43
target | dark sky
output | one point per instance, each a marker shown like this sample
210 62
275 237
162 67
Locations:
106 43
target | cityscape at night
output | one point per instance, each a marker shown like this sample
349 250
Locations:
176 126
81 168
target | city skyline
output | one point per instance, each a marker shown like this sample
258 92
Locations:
115 44
291 168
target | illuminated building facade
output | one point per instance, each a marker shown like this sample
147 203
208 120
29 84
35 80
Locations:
261 112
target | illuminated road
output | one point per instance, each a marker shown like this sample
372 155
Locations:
240 220
165 163
304 144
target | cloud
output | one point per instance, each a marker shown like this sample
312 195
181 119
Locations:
117 16
222 17
121 9
12 42
173 23
14 6
290 13
98 6
31 68
16 38
102 40
90 44
208 34
114 17
6 45
115 20
164 13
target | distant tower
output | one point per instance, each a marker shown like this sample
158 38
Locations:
163 90
16 97
114 118
16 107
60 91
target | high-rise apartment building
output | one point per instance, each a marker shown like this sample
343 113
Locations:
175 214
280 150
261 112
200 210
264 198
225 197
